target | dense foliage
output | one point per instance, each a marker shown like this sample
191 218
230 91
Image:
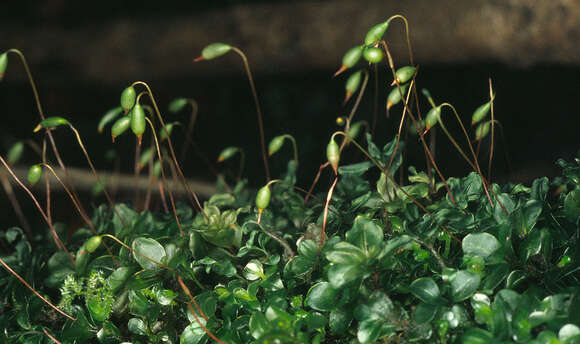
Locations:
451 261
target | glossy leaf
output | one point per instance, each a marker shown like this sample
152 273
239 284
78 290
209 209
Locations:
464 284
322 297
149 248
480 244
426 290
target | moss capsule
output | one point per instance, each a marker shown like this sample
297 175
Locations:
3 64
373 54
120 126
227 153
376 33
34 174
350 59
352 84
480 112
15 153
93 243
275 144
128 97
169 128
354 130
432 117
482 130
263 198
108 117
394 96
177 105
404 74
50 122
333 154
213 50
138 122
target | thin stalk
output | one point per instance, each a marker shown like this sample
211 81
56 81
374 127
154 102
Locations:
398 139
55 236
475 163
280 240
161 265
294 146
325 216
258 110
16 206
92 166
170 144
315 181
190 125
205 329
42 117
376 99
56 341
81 211
23 281
421 135
491 97
404 19
163 176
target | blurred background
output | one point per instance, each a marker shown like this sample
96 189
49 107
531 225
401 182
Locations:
83 54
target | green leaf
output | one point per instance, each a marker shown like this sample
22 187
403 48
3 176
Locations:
254 270
540 189
340 275
464 284
344 253
322 297
366 234
480 244
569 333
339 321
425 312
477 336
109 334
426 290
355 169
258 325
149 248
137 326
193 333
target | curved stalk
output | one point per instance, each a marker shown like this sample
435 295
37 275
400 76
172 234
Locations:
23 281
190 125
170 144
415 122
79 209
163 175
55 236
258 110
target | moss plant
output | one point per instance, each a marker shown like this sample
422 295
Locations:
374 257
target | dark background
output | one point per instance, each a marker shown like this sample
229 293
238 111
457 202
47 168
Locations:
82 55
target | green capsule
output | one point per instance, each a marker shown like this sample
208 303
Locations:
350 59
263 198
93 243
432 117
169 127
333 154
480 112
34 174
3 64
177 105
376 33
50 122
15 153
354 130
108 117
482 130
373 54
352 84
227 153
120 126
156 169
128 97
275 144
394 96
138 122
214 50
404 74
145 157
